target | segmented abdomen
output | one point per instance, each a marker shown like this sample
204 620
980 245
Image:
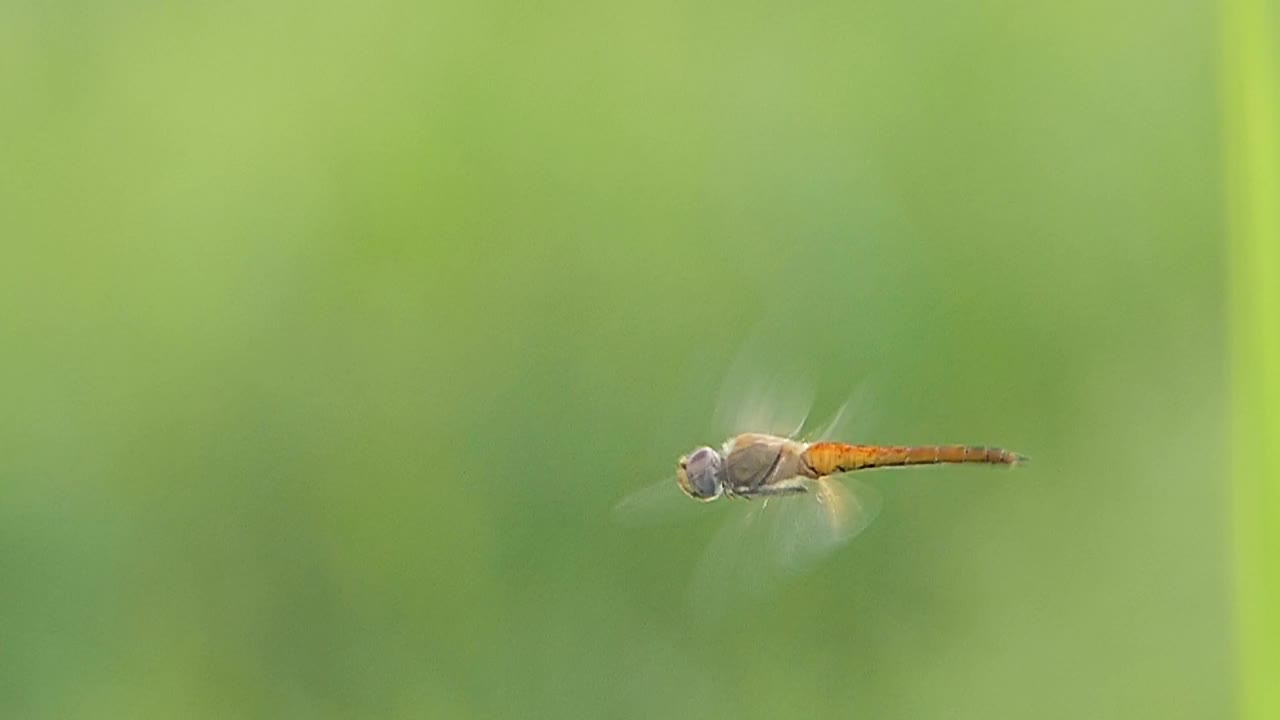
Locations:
828 458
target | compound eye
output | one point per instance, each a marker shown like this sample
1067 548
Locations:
705 483
701 456
703 472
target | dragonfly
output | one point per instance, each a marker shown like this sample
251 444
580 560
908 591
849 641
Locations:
758 465
811 500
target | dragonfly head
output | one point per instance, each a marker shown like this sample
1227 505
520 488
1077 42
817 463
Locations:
701 474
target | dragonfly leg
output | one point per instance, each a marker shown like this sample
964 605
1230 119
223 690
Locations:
772 490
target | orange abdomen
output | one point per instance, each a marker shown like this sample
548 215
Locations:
829 458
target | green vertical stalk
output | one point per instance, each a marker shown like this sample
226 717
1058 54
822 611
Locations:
1251 125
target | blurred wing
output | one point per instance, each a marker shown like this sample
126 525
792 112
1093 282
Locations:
768 388
764 396
662 503
818 523
730 574
770 542
851 421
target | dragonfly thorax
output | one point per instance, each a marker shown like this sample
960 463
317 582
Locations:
701 474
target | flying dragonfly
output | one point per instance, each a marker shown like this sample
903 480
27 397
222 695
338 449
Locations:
810 501
755 465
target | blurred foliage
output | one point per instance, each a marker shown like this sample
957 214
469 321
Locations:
333 332
1251 131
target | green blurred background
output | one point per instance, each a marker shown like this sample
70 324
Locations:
331 335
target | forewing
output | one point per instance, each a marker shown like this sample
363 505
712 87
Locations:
730 576
662 503
765 389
